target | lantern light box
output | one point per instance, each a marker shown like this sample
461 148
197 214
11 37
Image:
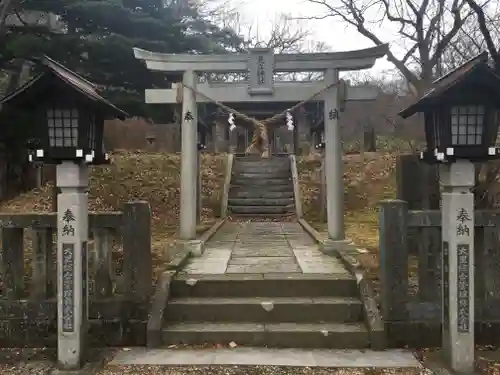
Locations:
461 114
68 114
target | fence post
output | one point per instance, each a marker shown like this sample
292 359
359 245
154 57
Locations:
43 281
369 140
13 262
137 262
393 259
417 183
102 275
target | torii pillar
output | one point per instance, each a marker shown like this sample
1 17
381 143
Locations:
334 168
189 158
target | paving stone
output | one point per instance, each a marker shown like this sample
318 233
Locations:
268 261
268 357
213 261
221 244
315 262
248 268
210 268
354 358
307 248
216 253
263 248
249 252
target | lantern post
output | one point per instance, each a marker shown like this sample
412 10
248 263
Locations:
461 126
68 125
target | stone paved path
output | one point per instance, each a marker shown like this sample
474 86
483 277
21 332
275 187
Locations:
263 247
269 357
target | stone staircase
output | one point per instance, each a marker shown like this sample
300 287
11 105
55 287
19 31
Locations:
272 310
261 187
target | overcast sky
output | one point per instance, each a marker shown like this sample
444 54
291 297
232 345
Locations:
336 34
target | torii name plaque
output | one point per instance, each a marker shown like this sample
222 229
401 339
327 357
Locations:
261 71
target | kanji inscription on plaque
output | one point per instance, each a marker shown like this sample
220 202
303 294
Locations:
68 220
68 281
85 280
333 114
445 281
463 284
463 222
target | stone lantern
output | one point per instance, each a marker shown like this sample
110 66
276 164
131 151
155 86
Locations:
461 124
461 114
68 115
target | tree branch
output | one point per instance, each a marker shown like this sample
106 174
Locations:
481 19
357 20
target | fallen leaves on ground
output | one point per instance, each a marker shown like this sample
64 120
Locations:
368 179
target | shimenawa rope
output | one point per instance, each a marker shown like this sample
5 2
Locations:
260 141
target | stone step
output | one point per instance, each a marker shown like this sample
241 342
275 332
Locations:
262 174
261 209
259 193
260 202
273 156
238 180
253 159
262 164
265 310
278 335
268 285
263 217
260 169
261 189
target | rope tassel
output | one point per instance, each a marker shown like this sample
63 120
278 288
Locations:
230 120
289 121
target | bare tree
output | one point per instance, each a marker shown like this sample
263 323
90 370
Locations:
6 7
470 41
285 35
426 29
489 28
487 19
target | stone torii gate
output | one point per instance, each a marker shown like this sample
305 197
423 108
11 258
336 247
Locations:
261 64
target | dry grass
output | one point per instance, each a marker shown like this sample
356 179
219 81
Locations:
368 179
153 177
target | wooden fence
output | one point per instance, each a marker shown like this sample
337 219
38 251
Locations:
411 284
120 277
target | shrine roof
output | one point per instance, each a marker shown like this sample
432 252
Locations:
472 70
57 71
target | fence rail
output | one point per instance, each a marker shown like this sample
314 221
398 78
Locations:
120 275
410 274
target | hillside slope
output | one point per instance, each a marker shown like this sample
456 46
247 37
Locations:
368 179
154 177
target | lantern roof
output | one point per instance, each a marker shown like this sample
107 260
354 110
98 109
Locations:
475 71
52 70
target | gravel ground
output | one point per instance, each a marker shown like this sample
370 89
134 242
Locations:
31 368
26 361
42 361
251 370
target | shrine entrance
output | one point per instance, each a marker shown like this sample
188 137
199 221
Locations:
261 92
